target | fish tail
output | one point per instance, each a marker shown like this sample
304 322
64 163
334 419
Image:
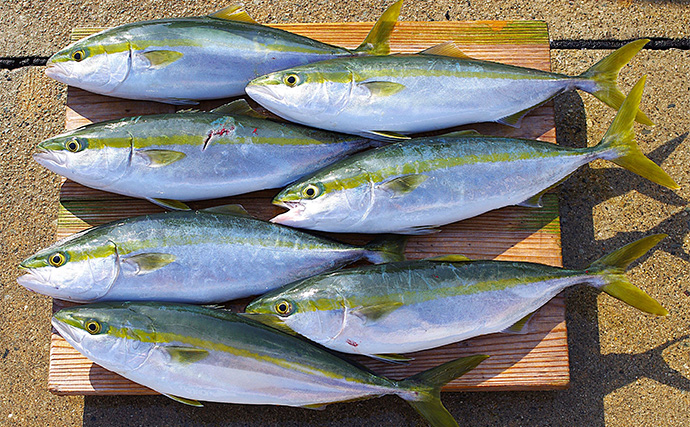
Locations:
386 249
378 39
619 140
605 73
426 388
611 269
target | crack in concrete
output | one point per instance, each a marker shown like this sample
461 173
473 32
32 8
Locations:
656 43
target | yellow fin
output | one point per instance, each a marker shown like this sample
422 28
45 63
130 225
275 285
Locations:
186 354
228 210
519 326
234 12
403 184
149 262
387 135
190 402
377 41
375 312
240 108
397 359
382 88
161 58
158 158
445 49
174 205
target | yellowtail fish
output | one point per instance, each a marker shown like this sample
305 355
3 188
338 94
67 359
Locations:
408 306
392 96
414 186
183 60
171 158
208 256
193 353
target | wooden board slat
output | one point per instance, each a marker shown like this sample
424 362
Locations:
536 360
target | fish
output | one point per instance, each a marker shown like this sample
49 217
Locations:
184 60
418 185
391 97
191 353
207 256
193 155
404 307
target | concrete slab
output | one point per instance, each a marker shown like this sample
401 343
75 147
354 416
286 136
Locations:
38 28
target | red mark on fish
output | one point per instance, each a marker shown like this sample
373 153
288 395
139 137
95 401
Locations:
254 131
352 343
221 132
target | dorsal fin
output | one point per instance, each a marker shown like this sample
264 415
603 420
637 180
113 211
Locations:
228 209
239 108
234 12
377 41
445 49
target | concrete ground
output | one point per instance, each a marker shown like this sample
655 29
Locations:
627 369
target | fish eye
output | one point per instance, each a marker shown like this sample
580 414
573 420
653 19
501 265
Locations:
92 327
57 259
311 191
283 308
78 55
291 80
73 145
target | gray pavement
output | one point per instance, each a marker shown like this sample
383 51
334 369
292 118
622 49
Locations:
627 369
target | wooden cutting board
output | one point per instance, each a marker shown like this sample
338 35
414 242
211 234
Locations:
535 360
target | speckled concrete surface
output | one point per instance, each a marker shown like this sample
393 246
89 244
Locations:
36 27
626 368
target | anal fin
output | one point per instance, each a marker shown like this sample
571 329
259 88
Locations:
190 402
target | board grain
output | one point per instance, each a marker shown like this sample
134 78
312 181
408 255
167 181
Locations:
535 360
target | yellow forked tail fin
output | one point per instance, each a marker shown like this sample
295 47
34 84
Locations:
605 73
620 137
612 266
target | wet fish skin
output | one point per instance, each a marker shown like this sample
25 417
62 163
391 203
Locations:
193 155
414 186
184 60
190 256
190 353
410 306
397 95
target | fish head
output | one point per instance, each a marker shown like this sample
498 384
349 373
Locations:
80 268
94 155
310 307
99 63
309 94
340 194
111 334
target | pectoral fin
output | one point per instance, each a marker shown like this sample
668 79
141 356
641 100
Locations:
382 88
375 312
161 58
190 402
470 133
148 262
403 184
233 12
186 354
158 158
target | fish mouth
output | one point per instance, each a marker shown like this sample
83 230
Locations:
36 282
294 213
67 331
261 92
46 158
56 71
